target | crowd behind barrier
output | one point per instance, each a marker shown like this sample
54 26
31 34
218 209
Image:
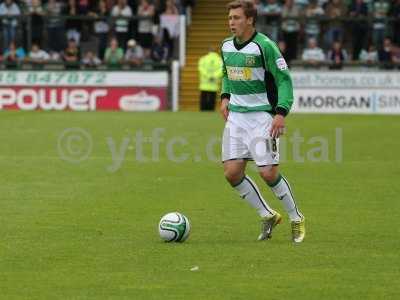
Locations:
139 33
90 33
334 33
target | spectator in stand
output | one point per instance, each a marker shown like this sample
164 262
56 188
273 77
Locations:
36 12
37 55
179 5
290 28
83 8
168 34
159 8
71 55
171 8
34 9
395 13
145 28
159 52
13 55
386 55
73 26
188 3
260 6
301 4
121 9
9 9
54 56
90 60
114 54
134 54
380 13
110 4
396 55
358 9
313 12
14 52
335 10
324 3
261 21
337 56
313 55
188 7
101 27
133 26
370 56
272 12
55 26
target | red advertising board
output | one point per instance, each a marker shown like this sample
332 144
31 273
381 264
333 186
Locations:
83 98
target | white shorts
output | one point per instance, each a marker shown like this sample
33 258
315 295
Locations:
246 136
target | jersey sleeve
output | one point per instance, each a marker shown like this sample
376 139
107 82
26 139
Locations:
225 88
277 66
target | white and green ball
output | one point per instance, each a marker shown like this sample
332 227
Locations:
174 227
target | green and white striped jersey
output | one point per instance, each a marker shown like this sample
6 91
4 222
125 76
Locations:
256 76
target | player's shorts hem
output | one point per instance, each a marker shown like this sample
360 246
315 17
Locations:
267 165
239 158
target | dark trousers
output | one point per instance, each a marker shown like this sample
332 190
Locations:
56 40
122 38
102 44
207 100
360 39
291 40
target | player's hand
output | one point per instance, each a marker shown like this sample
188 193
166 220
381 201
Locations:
278 126
224 108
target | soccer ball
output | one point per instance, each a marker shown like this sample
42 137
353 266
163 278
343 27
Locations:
174 227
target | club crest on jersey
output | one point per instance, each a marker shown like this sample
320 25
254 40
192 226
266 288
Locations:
281 64
250 61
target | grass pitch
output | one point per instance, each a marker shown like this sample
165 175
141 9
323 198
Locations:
81 197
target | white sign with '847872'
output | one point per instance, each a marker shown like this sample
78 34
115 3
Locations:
83 78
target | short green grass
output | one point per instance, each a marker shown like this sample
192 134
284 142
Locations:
88 230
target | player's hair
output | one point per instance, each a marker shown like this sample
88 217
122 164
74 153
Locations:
250 11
